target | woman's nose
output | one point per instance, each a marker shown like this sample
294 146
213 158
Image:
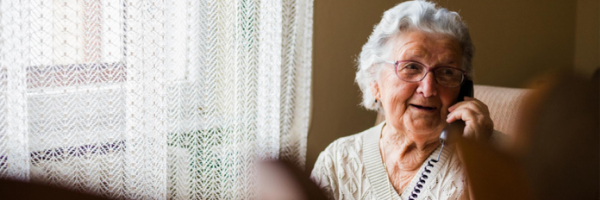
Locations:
427 86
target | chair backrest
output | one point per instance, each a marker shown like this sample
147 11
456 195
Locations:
504 105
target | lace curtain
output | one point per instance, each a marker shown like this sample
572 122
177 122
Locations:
153 99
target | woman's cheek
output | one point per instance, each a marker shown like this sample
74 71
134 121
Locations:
397 106
392 102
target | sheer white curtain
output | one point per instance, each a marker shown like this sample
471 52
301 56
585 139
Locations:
153 99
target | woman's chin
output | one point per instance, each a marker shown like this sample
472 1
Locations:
424 125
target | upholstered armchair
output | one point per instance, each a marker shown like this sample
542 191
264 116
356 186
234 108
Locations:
504 104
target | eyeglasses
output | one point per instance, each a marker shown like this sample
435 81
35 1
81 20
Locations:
413 71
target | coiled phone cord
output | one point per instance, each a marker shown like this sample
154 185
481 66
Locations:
415 193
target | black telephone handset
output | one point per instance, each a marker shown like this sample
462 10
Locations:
466 89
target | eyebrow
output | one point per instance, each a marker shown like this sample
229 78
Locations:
447 59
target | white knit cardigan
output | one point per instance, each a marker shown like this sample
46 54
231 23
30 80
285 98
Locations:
351 168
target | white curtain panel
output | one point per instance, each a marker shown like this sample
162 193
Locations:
153 99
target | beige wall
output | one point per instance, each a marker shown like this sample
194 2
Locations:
587 36
514 41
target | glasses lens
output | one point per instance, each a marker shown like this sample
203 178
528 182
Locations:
449 77
411 71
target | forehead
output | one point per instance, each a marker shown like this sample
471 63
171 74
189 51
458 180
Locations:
423 45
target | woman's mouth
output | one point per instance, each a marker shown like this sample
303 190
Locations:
423 108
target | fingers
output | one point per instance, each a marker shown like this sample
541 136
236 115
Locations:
472 103
473 120
474 113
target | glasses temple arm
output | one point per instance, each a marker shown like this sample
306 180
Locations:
387 62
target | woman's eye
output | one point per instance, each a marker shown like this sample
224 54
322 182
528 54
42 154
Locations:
447 72
412 66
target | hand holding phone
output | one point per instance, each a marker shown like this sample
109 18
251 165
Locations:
470 113
466 90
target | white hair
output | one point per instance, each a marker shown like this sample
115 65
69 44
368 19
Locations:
411 15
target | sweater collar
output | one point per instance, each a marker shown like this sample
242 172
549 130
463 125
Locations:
376 172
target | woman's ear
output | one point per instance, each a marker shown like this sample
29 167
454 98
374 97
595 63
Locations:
374 86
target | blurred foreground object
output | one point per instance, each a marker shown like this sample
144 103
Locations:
281 180
559 143
15 190
556 151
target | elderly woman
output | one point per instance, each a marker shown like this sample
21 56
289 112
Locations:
412 69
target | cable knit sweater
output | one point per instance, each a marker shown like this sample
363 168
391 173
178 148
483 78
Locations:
351 168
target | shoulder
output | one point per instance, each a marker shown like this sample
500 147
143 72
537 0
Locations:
341 149
340 145
339 168
352 144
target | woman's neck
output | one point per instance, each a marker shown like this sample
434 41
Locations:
405 150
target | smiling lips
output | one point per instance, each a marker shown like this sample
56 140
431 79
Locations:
423 107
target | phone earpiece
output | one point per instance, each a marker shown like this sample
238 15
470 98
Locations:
466 90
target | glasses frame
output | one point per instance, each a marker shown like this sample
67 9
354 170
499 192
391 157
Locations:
428 68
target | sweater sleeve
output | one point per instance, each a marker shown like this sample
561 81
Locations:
323 174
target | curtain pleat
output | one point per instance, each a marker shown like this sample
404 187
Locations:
14 154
